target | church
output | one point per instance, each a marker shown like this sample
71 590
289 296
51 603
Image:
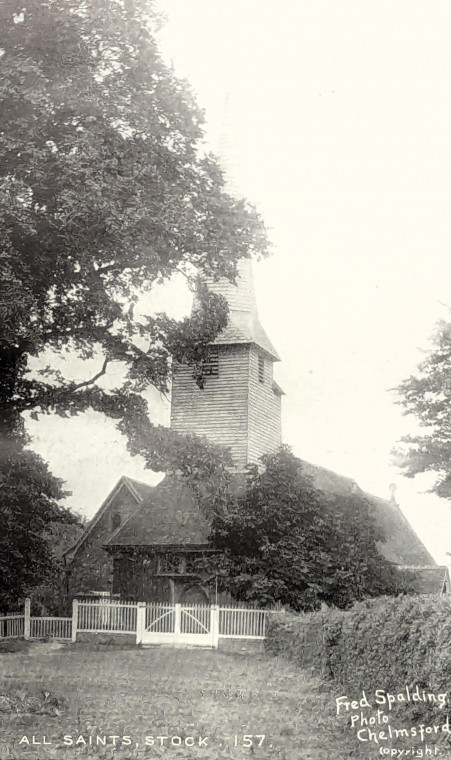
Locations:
146 543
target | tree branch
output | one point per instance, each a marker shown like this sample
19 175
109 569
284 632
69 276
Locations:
92 380
54 393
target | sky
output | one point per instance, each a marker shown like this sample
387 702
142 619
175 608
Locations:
338 124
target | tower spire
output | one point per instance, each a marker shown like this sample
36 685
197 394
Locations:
238 404
243 323
243 326
227 157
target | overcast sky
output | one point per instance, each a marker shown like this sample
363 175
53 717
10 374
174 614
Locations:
339 123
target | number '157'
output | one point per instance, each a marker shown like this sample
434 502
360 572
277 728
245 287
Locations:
249 740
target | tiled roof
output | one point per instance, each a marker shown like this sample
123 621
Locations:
330 481
401 545
143 489
169 515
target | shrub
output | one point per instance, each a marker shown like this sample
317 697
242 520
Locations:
304 638
386 643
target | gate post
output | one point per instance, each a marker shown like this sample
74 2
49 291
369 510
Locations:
140 621
74 619
214 625
26 619
177 621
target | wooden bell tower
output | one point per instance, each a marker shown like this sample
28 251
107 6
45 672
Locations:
239 406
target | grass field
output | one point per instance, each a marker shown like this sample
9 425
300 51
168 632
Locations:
183 694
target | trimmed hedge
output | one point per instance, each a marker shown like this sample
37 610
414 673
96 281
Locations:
386 643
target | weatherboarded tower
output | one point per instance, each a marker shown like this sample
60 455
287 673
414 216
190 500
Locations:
237 404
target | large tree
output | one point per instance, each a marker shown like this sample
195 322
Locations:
282 540
31 518
427 397
105 191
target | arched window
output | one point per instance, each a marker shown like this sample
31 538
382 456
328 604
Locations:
115 521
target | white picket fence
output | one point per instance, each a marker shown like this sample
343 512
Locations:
166 623
106 615
243 623
148 622
57 628
12 626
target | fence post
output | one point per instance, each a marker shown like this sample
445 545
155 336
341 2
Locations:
214 625
74 620
26 620
140 621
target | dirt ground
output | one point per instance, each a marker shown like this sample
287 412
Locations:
101 701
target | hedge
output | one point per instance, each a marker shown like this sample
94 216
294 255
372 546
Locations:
387 643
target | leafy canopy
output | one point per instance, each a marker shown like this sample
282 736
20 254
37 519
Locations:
284 541
426 396
105 190
29 511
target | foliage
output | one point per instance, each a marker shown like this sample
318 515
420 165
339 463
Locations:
385 643
50 597
285 541
427 397
105 191
304 638
29 509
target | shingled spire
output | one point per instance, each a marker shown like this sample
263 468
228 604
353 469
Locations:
243 325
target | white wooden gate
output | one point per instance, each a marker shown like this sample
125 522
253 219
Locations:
178 624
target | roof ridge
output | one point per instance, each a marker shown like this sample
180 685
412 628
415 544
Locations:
333 472
139 482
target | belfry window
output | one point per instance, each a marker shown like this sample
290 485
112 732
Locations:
261 369
210 365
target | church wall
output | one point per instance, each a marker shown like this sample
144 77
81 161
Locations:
92 567
219 410
134 579
264 410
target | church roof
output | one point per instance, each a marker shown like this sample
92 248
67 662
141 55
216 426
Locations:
169 515
402 545
243 325
139 492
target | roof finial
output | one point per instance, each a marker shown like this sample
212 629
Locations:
393 488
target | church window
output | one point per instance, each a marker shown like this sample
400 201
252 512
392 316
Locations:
261 369
210 365
115 521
